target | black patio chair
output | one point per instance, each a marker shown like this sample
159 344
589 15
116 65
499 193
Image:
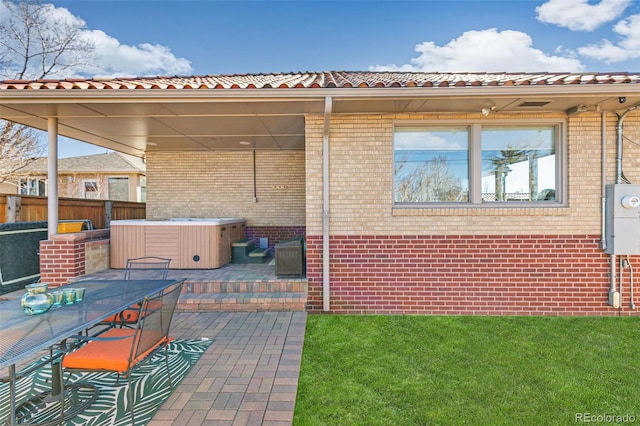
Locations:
147 268
140 268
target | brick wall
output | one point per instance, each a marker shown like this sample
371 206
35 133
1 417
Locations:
61 259
469 260
96 255
465 275
64 256
361 181
221 184
275 234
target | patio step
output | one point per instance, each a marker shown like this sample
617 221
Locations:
244 296
258 286
242 302
250 287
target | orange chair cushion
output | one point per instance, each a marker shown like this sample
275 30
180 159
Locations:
107 355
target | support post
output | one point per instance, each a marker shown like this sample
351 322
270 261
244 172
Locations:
52 194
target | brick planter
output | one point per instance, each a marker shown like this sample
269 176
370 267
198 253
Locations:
66 256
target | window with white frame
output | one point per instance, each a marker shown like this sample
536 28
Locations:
477 164
32 186
90 189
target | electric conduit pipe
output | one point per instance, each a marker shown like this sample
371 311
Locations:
615 297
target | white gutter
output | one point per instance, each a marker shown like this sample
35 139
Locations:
311 95
326 290
52 188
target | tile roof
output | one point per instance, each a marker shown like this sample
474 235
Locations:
330 79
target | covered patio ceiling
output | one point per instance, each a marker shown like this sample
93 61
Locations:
134 116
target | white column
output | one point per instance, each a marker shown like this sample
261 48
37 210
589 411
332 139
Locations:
52 197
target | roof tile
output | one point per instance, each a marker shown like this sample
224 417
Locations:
329 79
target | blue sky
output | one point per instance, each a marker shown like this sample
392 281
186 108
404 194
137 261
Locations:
163 37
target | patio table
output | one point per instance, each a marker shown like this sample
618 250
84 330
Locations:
22 336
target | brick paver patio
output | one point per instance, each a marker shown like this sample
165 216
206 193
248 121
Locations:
249 376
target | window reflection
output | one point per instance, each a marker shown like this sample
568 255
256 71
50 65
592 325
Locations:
518 164
432 165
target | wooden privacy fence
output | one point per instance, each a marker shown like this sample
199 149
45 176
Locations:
28 208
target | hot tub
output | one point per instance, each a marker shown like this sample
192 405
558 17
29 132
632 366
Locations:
190 243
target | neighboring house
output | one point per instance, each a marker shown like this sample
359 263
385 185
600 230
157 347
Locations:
8 187
109 176
418 193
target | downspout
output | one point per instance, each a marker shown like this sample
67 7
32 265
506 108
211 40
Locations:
603 183
52 194
325 205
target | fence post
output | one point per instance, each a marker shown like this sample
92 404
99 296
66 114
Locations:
14 205
108 213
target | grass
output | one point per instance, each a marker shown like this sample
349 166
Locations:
429 370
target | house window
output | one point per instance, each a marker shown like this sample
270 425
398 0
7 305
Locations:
431 165
91 189
32 186
143 189
118 188
477 164
518 164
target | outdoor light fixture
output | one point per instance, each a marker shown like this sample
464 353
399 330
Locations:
576 110
486 111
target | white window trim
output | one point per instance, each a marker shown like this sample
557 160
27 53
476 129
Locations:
28 180
84 187
475 157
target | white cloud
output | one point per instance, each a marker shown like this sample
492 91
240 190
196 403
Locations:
114 59
579 15
419 140
110 59
627 48
485 51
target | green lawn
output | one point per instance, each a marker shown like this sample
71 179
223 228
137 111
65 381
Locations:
432 370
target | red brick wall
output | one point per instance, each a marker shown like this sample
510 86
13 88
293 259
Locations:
275 233
464 275
63 256
60 261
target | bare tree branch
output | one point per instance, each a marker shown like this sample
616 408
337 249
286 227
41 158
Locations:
428 182
18 148
35 42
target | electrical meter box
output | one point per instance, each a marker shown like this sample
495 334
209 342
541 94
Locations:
622 231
